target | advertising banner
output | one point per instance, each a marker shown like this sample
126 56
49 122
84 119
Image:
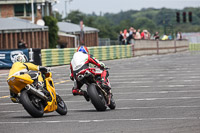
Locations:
7 56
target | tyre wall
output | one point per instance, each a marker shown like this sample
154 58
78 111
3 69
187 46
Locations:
53 57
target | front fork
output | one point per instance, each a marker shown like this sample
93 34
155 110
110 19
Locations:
106 95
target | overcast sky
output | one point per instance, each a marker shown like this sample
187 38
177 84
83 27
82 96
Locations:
115 6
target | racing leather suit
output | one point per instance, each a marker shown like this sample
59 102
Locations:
19 68
81 61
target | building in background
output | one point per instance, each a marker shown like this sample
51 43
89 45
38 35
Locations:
12 30
22 8
69 35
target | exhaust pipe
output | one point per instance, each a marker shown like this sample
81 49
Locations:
36 92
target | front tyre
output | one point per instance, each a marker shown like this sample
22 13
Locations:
31 104
112 103
62 108
96 97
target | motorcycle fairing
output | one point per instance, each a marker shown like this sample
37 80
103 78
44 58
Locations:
51 105
17 83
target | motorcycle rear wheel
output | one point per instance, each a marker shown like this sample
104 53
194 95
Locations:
31 104
62 108
96 97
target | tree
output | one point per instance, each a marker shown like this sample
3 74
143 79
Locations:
145 23
57 15
75 16
51 22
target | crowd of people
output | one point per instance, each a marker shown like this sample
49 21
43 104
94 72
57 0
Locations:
128 36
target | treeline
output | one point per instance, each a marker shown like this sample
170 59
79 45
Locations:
161 20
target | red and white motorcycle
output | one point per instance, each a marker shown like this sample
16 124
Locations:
100 97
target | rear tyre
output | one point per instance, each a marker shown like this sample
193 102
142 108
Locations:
62 108
31 104
96 97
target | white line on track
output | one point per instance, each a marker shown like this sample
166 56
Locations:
8 104
159 86
122 108
136 82
4 91
139 99
152 99
100 120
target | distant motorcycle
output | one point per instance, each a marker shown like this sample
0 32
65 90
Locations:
34 101
99 96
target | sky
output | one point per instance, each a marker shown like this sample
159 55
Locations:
115 6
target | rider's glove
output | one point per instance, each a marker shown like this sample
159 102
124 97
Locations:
44 69
102 65
72 78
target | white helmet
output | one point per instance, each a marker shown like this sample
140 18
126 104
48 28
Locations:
20 58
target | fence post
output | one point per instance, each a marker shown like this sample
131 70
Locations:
174 45
157 42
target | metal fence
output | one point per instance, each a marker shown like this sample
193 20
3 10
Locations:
193 38
107 42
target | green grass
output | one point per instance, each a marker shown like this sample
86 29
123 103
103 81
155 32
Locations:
194 47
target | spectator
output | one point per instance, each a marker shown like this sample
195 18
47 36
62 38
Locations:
120 37
138 36
149 35
179 36
134 33
125 35
22 44
62 45
142 34
130 36
170 37
146 35
165 37
156 36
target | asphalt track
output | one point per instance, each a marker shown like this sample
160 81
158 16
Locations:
154 94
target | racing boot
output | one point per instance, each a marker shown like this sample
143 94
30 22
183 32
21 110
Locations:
14 98
80 92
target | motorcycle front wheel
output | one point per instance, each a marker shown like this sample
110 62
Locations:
62 108
31 104
96 97
112 104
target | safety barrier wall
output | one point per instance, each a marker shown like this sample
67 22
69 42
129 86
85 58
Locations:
150 47
52 57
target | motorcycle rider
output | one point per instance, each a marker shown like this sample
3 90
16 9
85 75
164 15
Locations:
80 61
20 67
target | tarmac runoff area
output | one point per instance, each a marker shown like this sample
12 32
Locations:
154 94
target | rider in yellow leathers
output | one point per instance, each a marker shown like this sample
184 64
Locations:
21 66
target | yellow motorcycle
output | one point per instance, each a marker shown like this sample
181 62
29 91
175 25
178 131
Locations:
34 100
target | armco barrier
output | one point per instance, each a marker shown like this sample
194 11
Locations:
52 57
